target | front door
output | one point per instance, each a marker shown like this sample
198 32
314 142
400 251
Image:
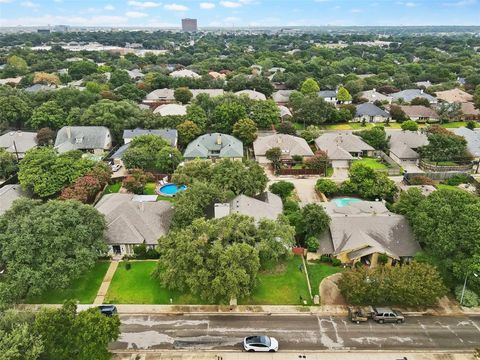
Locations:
116 249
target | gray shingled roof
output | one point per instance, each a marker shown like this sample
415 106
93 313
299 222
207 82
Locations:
8 194
171 135
265 206
133 222
281 96
214 145
327 94
83 138
289 144
410 94
473 139
24 141
339 145
413 139
369 109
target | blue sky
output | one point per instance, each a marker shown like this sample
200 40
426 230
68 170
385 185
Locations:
239 12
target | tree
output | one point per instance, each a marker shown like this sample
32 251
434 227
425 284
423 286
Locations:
314 220
15 66
443 145
67 334
68 236
78 69
136 180
45 136
397 113
167 159
49 114
183 95
245 130
315 111
343 95
476 97
326 186
408 202
130 92
282 188
318 162
450 112
376 137
195 170
226 115
310 133
265 113
197 115
368 184
46 78
409 125
14 111
86 188
416 284
310 87
274 155
274 240
119 78
7 164
45 173
286 127
188 131
420 101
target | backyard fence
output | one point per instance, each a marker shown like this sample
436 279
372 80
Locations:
436 168
393 167
436 176
298 172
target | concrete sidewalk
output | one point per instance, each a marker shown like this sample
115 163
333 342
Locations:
100 298
297 355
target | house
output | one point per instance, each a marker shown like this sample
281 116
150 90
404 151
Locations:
473 140
8 194
363 230
343 147
284 112
469 111
171 110
252 94
40 87
329 96
93 139
18 142
373 95
210 92
289 144
420 113
423 84
281 97
217 76
410 94
454 96
132 221
265 206
370 113
185 73
404 145
164 96
11 81
214 146
424 189
135 74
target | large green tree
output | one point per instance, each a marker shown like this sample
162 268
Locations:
310 87
245 130
376 137
443 145
15 66
265 114
47 245
14 111
226 115
49 114
8 165
78 69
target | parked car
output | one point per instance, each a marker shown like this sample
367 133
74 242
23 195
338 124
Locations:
261 343
384 315
108 310
116 167
358 314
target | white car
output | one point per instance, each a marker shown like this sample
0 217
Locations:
260 343
116 167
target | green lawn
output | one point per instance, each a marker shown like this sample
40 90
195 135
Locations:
137 286
317 272
455 124
281 285
372 163
149 189
83 289
113 188
448 187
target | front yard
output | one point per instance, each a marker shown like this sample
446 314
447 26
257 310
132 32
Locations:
83 289
319 271
138 286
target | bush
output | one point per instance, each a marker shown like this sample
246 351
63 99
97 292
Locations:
142 253
457 180
137 180
471 125
325 259
470 299
420 180
297 158
282 189
312 244
326 186
409 125
290 206
336 262
382 259
128 265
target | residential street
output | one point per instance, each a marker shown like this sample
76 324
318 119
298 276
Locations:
302 332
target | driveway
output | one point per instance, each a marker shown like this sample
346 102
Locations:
305 189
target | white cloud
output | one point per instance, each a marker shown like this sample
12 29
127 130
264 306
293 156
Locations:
176 7
135 14
144 4
30 4
230 4
5 1
410 4
71 20
207 5
109 7
355 11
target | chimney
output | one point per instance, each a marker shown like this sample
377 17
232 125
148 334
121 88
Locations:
421 91
219 139
69 132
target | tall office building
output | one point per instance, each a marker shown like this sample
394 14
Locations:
189 25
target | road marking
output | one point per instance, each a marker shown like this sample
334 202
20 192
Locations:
325 339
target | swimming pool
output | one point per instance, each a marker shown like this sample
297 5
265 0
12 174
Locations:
341 202
170 189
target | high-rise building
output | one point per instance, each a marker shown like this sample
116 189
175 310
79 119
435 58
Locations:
189 25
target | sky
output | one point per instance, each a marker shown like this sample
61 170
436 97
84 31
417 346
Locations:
236 13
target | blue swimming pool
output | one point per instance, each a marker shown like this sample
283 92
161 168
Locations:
341 202
171 189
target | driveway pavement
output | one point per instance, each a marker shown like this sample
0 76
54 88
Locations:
305 189
301 332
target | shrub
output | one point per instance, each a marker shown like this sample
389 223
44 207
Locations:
336 262
326 186
137 180
312 244
471 125
470 299
457 180
297 158
282 189
128 265
409 125
290 206
142 253
325 259
420 180
382 259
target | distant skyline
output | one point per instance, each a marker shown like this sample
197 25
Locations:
239 13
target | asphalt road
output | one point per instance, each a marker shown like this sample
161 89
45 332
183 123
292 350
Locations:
302 332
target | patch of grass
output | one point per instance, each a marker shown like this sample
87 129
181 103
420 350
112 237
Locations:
149 189
113 188
371 163
319 271
298 126
138 286
282 284
449 187
84 289
455 124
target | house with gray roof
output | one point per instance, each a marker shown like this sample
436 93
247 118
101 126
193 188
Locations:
370 113
40 87
18 142
135 74
410 94
252 94
289 144
132 220
374 95
404 146
343 147
92 139
214 146
363 230
171 110
329 96
473 140
281 97
264 206
8 194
